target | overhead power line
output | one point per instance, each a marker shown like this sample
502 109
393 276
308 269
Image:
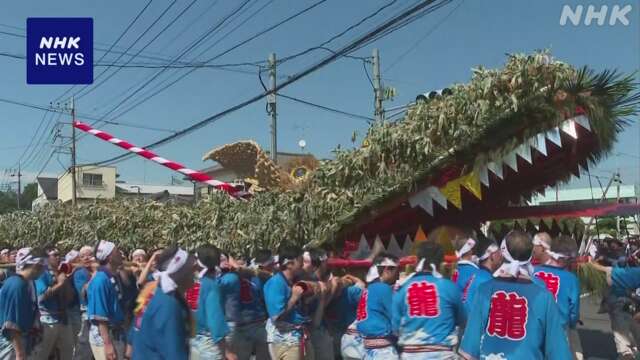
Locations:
326 108
86 116
122 34
365 38
157 91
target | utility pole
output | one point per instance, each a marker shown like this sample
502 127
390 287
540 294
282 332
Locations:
377 87
271 103
618 181
73 152
19 184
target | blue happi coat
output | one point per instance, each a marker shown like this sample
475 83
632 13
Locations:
514 319
164 333
426 311
481 276
464 275
210 313
565 288
374 310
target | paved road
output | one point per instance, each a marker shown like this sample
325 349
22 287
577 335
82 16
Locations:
595 335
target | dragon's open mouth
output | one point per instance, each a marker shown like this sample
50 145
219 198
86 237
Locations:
459 198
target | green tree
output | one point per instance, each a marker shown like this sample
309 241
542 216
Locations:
8 199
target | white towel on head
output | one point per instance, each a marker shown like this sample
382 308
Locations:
176 263
24 258
105 248
373 273
468 246
512 267
71 256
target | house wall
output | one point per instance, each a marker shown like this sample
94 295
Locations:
105 191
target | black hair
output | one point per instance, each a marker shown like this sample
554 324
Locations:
483 244
263 255
209 256
288 252
519 245
431 252
316 254
164 257
383 255
565 245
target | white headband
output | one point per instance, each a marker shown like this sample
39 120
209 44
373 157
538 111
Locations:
24 258
269 262
105 248
554 255
490 250
468 246
4 252
138 252
306 257
434 268
513 267
373 273
539 242
71 256
174 264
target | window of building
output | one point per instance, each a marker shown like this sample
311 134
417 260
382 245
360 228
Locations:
92 179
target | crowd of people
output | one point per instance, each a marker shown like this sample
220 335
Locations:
209 304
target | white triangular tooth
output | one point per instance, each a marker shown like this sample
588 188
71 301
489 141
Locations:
569 127
435 194
483 174
496 168
407 247
394 247
524 151
363 249
377 244
554 136
423 200
511 161
583 121
540 143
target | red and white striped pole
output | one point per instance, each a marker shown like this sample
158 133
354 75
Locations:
193 174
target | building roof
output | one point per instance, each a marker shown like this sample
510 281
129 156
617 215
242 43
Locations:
49 187
578 194
155 189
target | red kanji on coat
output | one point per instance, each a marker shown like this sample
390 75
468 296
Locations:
551 281
246 291
465 291
361 313
192 296
454 276
422 300
508 316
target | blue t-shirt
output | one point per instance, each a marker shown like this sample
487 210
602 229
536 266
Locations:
18 306
252 306
514 320
230 292
104 299
426 311
277 292
164 333
210 313
624 280
50 308
481 276
341 311
565 288
374 310
80 277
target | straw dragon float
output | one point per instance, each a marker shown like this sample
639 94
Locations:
454 159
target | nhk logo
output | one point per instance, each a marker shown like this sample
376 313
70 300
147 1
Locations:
59 50
589 15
